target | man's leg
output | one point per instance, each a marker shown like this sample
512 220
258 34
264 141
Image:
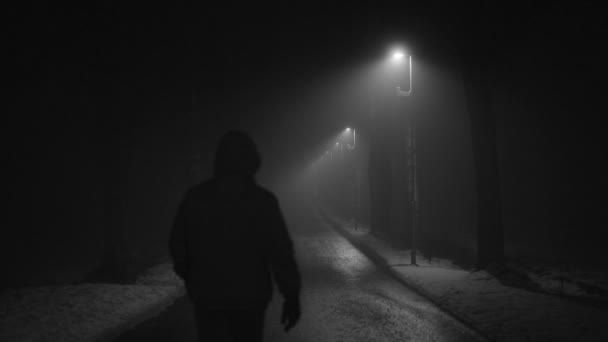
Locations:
247 325
212 325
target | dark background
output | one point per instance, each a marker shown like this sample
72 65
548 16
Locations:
112 104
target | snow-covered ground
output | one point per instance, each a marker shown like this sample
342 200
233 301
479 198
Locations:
501 312
99 312
85 312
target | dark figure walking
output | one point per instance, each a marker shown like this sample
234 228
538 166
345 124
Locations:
228 241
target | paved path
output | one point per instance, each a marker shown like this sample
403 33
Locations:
345 298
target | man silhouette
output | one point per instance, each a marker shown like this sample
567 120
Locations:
228 241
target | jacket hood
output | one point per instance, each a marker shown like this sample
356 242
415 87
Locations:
236 155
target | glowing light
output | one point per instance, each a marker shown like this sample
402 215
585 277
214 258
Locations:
348 128
398 55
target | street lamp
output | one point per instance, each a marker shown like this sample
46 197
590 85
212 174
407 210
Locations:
398 57
339 147
349 146
356 189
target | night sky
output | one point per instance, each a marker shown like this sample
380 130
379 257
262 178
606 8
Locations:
249 54
240 58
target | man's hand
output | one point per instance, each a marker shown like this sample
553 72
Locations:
291 313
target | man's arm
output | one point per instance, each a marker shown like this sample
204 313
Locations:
284 267
282 257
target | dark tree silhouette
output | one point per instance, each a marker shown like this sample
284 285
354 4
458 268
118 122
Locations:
484 48
116 262
490 245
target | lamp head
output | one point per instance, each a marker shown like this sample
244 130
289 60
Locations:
398 55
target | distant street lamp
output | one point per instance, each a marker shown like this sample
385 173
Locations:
340 145
340 148
356 190
352 147
398 57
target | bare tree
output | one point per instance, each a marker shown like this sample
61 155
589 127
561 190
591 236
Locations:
480 61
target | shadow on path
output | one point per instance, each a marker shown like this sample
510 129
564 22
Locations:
176 324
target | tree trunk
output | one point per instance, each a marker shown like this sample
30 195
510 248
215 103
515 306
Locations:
114 137
117 262
490 240
379 178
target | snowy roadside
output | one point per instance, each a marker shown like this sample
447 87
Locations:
86 312
481 301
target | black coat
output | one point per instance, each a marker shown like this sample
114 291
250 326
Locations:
229 240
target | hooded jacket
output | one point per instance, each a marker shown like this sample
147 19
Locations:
229 238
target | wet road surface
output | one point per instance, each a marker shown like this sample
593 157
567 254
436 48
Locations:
345 298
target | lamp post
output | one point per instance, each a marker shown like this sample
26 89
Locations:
398 56
356 190
339 148
352 147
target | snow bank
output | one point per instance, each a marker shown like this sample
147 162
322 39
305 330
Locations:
500 312
85 312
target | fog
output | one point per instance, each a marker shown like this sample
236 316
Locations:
118 113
